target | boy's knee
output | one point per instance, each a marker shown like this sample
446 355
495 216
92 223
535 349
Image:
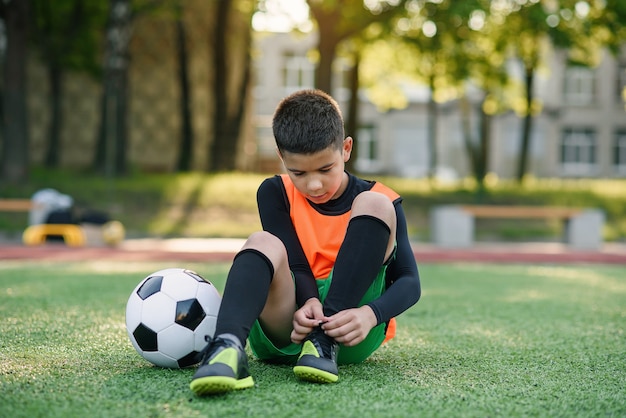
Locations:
268 244
374 204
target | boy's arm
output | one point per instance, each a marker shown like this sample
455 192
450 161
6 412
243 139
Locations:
274 213
404 290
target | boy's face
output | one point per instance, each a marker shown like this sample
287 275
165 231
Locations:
319 176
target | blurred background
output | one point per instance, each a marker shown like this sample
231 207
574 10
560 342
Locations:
428 87
521 91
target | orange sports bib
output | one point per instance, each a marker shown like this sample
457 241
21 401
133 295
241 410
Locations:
320 235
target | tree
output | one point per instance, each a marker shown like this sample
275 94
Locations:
531 29
231 82
15 136
338 21
352 117
112 138
434 31
485 51
187 138
66 35
458 51
451 47
527 30
110 155
607 21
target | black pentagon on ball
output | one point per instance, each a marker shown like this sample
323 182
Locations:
151 286
190 359
189 313
146 338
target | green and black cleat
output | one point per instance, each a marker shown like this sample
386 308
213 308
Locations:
224 368
318 359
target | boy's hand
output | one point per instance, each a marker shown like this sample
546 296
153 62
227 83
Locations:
351 326
306 318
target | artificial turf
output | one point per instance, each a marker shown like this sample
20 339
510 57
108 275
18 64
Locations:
484 340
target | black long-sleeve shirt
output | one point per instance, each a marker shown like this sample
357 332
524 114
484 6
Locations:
402 277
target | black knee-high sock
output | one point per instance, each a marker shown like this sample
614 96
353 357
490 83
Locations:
245 293
359 259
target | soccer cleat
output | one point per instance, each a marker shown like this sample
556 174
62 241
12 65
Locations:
224 367
318 358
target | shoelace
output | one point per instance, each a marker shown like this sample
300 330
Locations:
325 342
212 345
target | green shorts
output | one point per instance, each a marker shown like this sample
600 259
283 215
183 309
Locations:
265 350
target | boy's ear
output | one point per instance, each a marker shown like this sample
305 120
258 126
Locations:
347 148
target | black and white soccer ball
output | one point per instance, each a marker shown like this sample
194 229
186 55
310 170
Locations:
168 315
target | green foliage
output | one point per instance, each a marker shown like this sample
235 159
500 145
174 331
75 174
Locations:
67 33
485 340
611 23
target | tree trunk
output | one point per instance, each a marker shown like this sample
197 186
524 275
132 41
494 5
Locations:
55 79
522 167
324 72
433 117
468 137
100 151
242 93
217 151
187 140
121 124
352 119
483 154
327 19
228 117
338 21
15 135
110 155
478 150
484 150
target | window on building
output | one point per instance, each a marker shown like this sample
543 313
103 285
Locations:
619 151
579 89
578 151
368 159
298 72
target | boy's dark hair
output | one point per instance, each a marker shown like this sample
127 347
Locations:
308 121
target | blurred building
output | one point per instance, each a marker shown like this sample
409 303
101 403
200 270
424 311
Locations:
581 131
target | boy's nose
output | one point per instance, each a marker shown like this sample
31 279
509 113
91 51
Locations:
314 185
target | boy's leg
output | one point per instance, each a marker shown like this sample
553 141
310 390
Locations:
258 277
261 287
369 241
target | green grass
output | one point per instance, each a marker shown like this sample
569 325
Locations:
224 204
485 340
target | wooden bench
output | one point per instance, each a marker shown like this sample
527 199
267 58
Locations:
521 212
16 205
453 225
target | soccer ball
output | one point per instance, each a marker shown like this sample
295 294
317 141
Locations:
168 315
113 233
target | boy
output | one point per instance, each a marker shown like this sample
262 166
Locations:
331 269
